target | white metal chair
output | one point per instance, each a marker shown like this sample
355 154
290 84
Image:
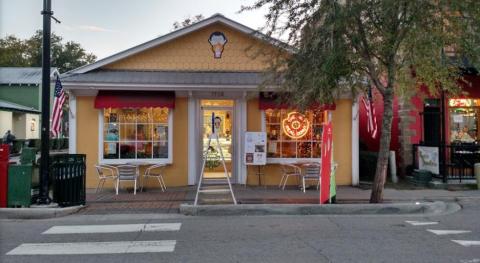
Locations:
105 172
287 171
311 172
127 172
155 171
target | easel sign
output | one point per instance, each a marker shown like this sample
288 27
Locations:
255 148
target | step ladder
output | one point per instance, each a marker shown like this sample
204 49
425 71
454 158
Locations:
218 188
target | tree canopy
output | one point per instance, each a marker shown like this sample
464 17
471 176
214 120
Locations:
15 52
391 45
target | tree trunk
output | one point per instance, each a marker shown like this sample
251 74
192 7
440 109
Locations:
382 161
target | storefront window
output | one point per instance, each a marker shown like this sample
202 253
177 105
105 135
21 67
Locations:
293 134
135 133
464 117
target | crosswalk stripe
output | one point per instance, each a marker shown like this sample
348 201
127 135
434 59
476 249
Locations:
447 232
80 248
421 223
121 228
467 243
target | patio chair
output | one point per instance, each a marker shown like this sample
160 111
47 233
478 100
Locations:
127 172
105 172
311 172
287 171
155 171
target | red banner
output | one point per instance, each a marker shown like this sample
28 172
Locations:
327 139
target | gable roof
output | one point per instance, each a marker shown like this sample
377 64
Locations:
10 106
216 18
23 75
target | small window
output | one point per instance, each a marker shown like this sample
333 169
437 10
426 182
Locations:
136 133
293 134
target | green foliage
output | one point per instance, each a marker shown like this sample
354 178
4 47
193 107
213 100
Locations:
188 21
15 52
391 44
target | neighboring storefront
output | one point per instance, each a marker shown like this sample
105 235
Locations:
153 104
421 121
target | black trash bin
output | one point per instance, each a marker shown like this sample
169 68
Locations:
68 172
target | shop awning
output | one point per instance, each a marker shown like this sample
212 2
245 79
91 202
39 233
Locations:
134 99
271 101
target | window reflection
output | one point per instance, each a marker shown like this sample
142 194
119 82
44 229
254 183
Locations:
135 133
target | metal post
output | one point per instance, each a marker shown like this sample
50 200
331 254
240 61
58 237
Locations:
443 146
43 197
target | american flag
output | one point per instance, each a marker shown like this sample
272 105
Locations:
371 118
59 99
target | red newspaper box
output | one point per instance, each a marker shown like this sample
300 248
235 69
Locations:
3 174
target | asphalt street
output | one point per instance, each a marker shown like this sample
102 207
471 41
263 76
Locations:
175 238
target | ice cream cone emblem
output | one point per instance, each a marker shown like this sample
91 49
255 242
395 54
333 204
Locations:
217 40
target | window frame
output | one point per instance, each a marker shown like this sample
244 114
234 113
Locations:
102 160
283 160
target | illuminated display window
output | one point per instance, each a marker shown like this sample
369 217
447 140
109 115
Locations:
293 134
135 133
464 117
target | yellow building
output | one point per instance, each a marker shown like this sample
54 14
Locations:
153 103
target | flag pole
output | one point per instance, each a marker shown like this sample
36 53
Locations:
43 197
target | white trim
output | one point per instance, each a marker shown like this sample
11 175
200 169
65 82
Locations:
241 128
291 160
72 123
355 143
192 141
168 160
217 18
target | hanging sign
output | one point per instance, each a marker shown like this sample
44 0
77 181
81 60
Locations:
255 148
428 159
295 125
326 159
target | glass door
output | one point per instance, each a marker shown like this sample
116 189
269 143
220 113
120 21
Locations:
222 112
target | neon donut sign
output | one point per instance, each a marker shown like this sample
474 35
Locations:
296 125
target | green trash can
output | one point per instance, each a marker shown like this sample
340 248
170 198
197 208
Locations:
19 185
28 156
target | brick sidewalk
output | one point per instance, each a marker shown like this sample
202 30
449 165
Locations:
156 201
149 201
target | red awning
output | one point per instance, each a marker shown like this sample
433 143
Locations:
271 101
134 99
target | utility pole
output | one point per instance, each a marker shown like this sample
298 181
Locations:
43 197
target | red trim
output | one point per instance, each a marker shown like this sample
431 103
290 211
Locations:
134 99
271 101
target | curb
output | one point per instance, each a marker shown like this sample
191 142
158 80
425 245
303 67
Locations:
38 213
423 208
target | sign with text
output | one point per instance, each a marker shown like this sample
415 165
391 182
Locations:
428 159
325 172
255 148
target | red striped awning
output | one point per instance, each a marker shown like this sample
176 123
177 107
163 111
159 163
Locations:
134 99
271 101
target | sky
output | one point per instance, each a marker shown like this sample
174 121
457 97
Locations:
105 27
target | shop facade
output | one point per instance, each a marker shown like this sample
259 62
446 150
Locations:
153 104
449 123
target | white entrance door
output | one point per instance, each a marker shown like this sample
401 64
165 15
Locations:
222 112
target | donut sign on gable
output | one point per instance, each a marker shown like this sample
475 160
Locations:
296 125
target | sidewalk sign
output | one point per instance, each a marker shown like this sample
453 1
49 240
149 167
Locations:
326 159
255 148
